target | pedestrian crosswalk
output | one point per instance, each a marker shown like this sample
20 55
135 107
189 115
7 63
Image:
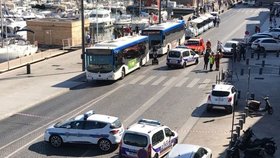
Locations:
165 81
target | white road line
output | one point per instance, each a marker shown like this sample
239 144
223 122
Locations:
138 112
204 83
75 112
170 81
147 80
194 81
180 83
138 78
158 81
185 129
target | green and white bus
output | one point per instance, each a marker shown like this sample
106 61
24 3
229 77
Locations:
112 60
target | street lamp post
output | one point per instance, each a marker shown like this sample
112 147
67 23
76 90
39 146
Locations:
83 35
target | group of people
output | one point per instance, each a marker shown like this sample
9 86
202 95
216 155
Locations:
210 58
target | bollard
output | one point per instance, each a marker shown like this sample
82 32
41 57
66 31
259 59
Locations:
238 94
252 55
258 56
242 72
246 111
277 54
28 70
243 117
247 61
241 124
263 63
264 54
279 70
216 79
223 75
234 138
261 71
238 131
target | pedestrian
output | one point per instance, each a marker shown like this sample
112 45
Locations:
88 38
218 56
242 52
234 52
274 22
257 29
208 44
218 21
213 6
215 21
219 46
137 29
211 61
206 59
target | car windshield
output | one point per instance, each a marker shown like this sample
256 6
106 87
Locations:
228 44
220 93
116 124
64 123
256 41
196 43
174 54
135 140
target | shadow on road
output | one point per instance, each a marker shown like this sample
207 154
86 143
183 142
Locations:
67 150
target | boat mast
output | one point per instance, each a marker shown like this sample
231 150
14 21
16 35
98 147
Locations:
1 24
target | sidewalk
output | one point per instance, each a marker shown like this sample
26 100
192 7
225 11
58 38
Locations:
20 90
213 130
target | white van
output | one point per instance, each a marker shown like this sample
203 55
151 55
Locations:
181 57
196 26
147 138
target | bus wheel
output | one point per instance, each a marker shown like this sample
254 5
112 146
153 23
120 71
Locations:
123 73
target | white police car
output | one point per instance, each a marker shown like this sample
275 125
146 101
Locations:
147 138
181 57
89 128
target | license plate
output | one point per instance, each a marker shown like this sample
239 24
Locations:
219 99
173 61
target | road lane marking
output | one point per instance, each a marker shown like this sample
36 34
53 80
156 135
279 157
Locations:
138 78
180 83
159 80
194 81
191 121
204 83
138 112
147 80
82 107
170 81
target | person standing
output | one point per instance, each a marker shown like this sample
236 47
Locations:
215 21
218 21
206 60
137 29
218 57
211 61
219 46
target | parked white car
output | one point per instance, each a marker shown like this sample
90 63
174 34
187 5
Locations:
275 32
222 95
266 44
226 48
189 151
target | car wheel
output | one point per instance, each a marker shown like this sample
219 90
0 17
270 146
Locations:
209 108
229 110
262 49
156 155
56 141
104 145
184 65
196 61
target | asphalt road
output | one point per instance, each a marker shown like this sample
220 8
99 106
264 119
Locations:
176 97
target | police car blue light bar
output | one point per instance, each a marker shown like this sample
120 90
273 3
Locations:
87 114
148 121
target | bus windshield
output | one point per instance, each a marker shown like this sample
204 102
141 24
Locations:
99 61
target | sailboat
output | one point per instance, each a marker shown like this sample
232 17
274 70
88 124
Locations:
14 46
